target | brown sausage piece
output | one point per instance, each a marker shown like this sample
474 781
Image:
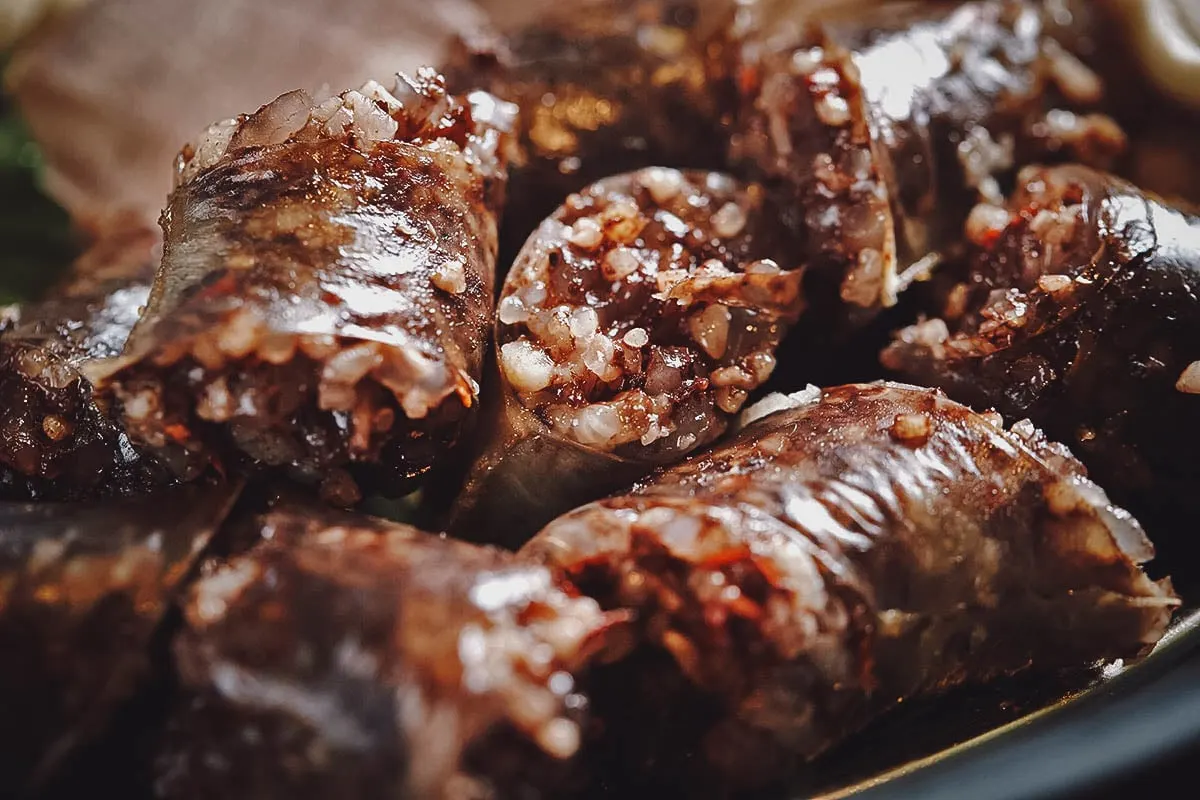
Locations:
869 544
350 657
1078 306
326 288
55 442
83 588
881 127
633 326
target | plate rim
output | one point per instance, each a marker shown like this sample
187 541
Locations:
1116 679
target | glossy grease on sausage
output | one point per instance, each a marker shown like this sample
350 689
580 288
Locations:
870 544
345 656
326 289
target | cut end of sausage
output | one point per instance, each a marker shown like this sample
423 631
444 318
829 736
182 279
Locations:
638 319
418 110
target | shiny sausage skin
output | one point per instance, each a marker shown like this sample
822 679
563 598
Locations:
349 657
84 587
326 290
869 544
1077 306
881 127
56 443
603 87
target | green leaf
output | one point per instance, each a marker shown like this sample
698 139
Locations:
35 233
403 509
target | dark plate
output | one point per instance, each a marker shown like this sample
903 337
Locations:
1026 739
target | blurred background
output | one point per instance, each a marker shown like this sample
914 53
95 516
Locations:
110 90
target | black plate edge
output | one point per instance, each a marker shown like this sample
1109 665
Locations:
1145 713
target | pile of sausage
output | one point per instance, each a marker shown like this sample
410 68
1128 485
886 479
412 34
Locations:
573 285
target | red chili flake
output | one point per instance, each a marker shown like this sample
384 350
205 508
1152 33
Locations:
465 394
730 555
992 237
178 432
745 607
747 79
225 285
768 570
